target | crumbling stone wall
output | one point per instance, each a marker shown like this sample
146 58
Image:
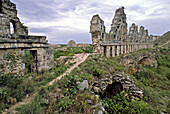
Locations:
118 27
8 9
118 41
113 85
8 65
97 30
16 44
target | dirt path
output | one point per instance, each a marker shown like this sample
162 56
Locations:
80 59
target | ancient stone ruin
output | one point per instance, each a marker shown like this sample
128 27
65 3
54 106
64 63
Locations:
72 43
118 41
113 85
14 45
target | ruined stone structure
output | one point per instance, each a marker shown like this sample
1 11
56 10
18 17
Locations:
72 43
118 41
15 45
113 85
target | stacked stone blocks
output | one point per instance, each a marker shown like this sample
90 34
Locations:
118 41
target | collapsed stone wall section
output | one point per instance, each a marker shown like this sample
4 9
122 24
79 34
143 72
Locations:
8 9
126 82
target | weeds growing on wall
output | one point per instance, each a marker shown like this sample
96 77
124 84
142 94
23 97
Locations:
12 60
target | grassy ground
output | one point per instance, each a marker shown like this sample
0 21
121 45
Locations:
155 81
63 97
14 88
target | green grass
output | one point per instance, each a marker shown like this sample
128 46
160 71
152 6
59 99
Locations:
119 104
155 81
14 86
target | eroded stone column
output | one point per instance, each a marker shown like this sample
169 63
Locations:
113 51
122 50
118 50
130 48
125 49
107 51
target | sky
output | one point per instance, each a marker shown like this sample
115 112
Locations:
64 20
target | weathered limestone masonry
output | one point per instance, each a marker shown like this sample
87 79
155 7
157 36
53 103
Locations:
118 41
19 42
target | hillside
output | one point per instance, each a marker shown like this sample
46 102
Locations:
164 40
136 83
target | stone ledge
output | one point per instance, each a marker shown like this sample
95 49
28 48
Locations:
22 45
123 43
12 38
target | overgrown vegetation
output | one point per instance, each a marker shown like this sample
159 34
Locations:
155 81
68 98
65 96
14 87
121 105
27 62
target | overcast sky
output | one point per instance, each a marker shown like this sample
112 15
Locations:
64 20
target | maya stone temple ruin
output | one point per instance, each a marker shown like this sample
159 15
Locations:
19 42
118 41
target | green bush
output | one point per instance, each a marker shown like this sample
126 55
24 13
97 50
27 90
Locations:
120 105
9 80
68 83
97 72
3 96
63 104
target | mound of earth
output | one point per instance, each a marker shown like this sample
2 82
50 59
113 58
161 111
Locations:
164 40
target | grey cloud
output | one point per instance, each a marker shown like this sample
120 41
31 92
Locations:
156 26
54 10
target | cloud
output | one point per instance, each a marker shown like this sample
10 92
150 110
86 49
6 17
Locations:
70 19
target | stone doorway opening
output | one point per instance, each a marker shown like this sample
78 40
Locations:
31 61
111 51
115 50
104 50
112 90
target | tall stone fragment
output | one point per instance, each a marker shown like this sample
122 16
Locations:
97 30
8 9
119 26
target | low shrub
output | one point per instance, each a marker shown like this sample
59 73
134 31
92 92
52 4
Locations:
120 105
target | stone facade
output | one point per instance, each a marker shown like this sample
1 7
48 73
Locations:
15 45
118 41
